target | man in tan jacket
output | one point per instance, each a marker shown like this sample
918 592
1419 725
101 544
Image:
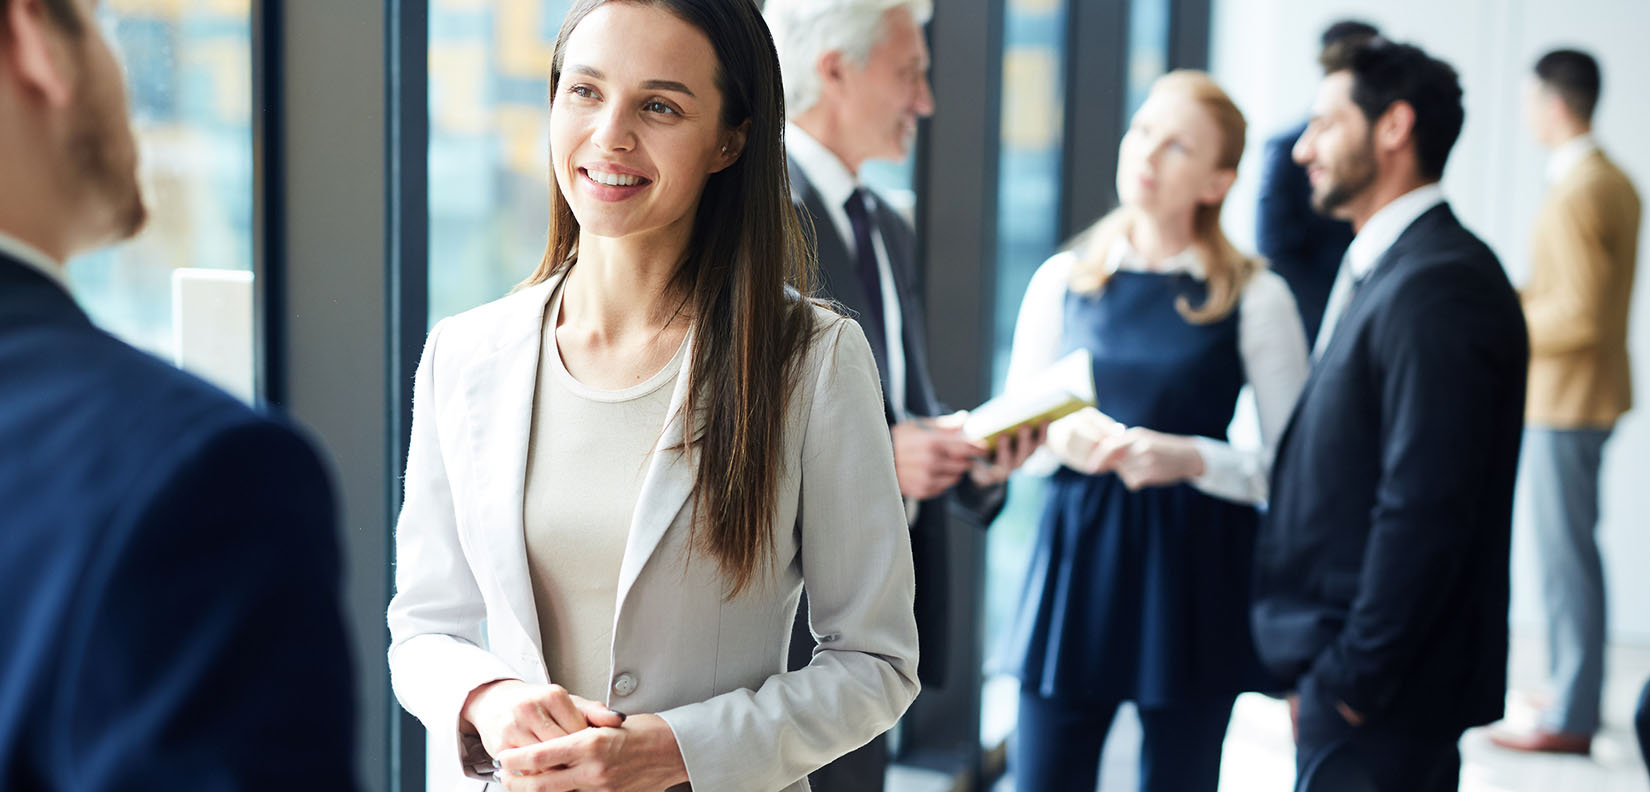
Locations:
1576 305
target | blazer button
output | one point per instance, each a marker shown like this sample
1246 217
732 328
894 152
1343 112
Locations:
624 684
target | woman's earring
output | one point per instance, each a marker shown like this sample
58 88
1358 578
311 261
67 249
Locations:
724 149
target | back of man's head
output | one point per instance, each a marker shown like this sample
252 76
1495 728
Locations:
1573 76
63 13
804 30
1385 73
1342 35
1345 30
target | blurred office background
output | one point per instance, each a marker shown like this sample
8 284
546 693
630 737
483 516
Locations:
380 164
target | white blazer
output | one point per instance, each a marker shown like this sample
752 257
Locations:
713 669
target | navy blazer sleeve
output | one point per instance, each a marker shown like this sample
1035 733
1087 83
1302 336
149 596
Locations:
1284 205
208 650
1441 359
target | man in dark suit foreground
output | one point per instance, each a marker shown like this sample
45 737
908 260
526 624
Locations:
169 574
1382 582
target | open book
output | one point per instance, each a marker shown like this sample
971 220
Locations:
1053 393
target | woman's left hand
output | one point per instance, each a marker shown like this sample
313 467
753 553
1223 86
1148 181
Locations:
1144 458
639 756
1011 452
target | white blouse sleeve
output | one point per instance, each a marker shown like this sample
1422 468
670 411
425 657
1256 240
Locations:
1276 363
1037 338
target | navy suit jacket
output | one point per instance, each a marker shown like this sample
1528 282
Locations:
1382 565
839 281
1301 245
169 573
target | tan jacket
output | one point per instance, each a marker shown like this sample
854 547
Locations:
1581 283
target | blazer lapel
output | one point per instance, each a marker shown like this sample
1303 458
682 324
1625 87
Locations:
1355 310
665 489
837 265
499 390
900 241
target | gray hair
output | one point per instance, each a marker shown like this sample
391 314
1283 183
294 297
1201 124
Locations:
804 30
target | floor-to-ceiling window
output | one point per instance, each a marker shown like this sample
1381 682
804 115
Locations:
189 75
1027 233
489 166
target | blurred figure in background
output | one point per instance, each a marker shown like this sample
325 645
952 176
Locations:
1381 571
1582 257
169 567
1641 724
1301 245
856 84
1138 588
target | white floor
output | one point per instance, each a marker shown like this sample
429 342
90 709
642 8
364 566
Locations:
1260 754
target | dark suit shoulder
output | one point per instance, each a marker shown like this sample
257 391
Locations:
1454 283
106 421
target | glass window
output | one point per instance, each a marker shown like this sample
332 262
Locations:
189 73
1148 50
1027 233
489 146
489 163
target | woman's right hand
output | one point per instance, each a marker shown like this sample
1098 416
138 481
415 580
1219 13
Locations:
510 713
1074 438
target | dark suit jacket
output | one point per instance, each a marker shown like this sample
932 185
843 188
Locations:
840 282
1301 245
169 573
1382 562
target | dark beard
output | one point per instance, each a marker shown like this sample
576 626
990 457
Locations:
105 181
1346 186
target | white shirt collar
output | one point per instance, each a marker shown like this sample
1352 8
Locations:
1383 229
1123 257
32 257
1569 154
823 168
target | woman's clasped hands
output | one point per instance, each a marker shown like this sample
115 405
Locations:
1089 441
545 739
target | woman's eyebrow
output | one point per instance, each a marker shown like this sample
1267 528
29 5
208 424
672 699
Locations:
651 85
667 85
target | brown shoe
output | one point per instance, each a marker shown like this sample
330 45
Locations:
1539 741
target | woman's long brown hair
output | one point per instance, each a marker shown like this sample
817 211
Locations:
745 249
1228 269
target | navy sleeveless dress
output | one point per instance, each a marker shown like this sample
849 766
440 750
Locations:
1143 596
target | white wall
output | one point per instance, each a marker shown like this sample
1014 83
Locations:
1264 53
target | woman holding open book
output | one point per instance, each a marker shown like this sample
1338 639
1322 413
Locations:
1139 584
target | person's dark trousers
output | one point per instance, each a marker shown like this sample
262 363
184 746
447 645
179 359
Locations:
1641 724
1057 744
1332 755
1559 485
864 768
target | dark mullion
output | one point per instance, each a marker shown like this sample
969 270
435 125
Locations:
406 135
1189 25
1097 61
268 206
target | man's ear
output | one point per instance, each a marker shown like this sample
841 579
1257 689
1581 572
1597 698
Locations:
831 69
733 145
35 51
1395 127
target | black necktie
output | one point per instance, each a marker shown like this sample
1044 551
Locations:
865 253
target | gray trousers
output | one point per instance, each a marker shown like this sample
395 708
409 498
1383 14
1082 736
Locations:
1559 486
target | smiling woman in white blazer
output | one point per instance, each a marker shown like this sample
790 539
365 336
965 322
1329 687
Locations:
672 247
